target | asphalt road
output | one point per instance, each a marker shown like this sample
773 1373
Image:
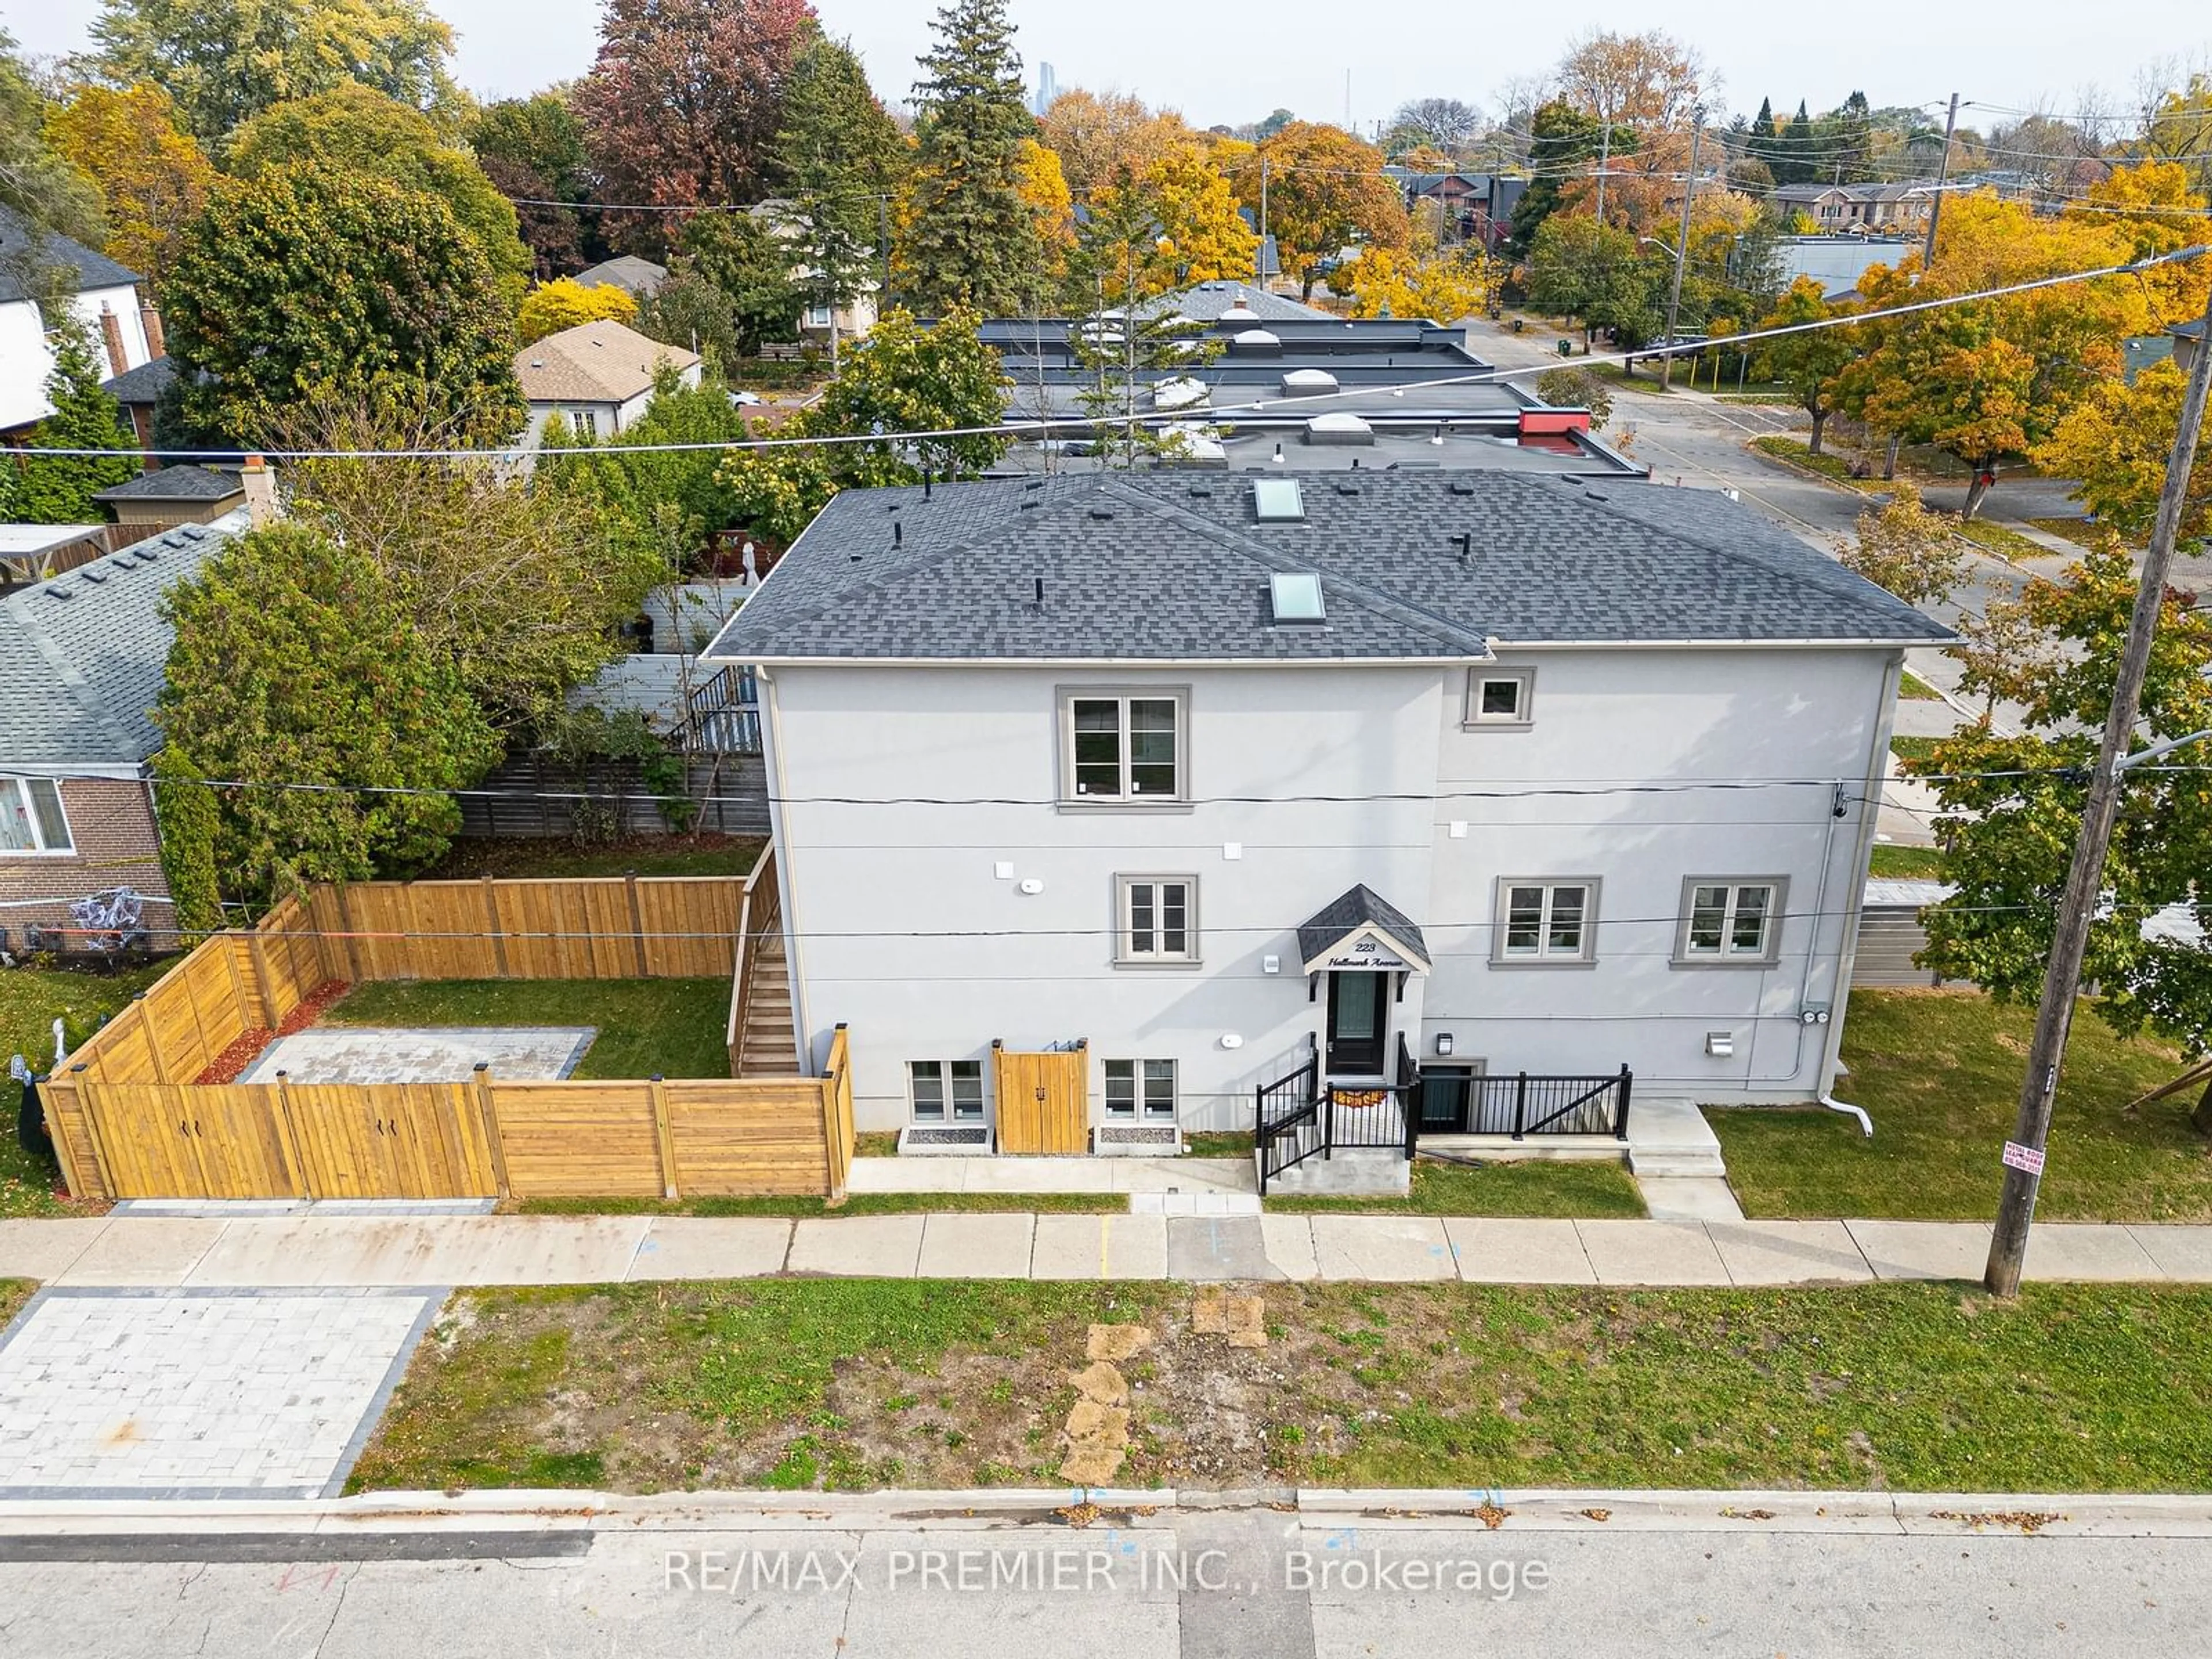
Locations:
1243 1581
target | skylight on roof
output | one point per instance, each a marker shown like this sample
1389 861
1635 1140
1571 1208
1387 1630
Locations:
1277 500
1296 595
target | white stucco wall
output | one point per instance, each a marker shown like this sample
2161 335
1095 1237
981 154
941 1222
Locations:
27 360
902 929
90 303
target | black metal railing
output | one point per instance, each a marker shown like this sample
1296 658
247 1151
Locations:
1289 1121
1519 1105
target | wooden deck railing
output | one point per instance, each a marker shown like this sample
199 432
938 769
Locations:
760 915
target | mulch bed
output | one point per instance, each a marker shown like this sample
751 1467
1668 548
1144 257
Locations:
225 1066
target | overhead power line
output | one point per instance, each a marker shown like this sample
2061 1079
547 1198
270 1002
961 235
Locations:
1040 427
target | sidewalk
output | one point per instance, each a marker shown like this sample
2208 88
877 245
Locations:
337 1252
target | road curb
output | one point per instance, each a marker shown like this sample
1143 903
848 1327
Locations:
1588 1511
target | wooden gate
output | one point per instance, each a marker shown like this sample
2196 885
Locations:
391 1140
1044 1101
168 1140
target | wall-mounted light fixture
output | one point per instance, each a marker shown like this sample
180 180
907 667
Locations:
1271 964
1443 1042
1720 1044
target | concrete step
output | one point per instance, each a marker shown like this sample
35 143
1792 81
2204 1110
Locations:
1679 1162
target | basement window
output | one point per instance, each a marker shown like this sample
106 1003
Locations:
939 1086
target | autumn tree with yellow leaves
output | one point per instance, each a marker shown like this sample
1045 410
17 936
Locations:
154 177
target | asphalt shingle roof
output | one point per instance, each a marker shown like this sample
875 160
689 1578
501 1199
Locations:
92 270
1173 567
83 657
603 363
174 483
1360 907
1203 302
143 385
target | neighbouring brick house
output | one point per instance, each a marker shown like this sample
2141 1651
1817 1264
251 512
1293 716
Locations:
81 661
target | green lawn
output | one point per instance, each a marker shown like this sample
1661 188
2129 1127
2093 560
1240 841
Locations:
30 1000
1795 453
820 1384
1940 1073
1593 1191
2000 539
673 1027
643 855
1906 863
1912 688
1914 748
2081 532
14 1293
1217 1143
857 1204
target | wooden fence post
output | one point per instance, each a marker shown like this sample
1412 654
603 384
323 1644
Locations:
636 922
289 1142
346 932
488 1112
498 936
152 1039
257 948
664 1133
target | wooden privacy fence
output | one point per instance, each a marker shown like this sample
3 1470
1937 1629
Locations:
483 1139
129 1120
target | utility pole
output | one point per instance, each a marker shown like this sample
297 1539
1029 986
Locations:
2069 943
1604 162
1681 251
1942 172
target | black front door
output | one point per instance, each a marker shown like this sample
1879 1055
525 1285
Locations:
1355 1024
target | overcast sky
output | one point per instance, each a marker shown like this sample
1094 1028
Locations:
1234 62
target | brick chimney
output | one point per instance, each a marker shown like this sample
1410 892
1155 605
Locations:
150 315
111 334
260 480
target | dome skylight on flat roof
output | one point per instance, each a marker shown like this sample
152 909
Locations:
1256 339
1309 382
1181 392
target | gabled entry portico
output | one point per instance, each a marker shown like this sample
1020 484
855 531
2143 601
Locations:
1364 948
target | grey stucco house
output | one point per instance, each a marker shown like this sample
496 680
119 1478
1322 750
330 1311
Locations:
1477 771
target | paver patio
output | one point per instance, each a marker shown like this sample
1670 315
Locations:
184 1393
373 1054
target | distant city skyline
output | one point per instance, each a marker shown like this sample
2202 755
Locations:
1230 66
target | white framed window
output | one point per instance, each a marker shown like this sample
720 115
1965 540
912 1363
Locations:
1156 920
1121 747
1500 696
1141 1089
31 821
1545 921
818 316
586 423
1732 921
946 1091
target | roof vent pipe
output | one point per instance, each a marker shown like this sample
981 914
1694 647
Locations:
1465 541
1278 454
1040 593
898 533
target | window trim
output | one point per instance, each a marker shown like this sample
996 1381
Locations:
1140 1110
1123 956
1472 719
1065 699
37 848
948 1116
1592 887
1776 914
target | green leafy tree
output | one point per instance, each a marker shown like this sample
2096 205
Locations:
296 661
58 489
2116 442
1910 551
225 61
640 487
2012 808
358 130
1578 267
300 280
752 268
532 150
839 157
687 310
1562 137
518 585
39 182
1808 363
1576 388
968 237
1327 193
904 378
188 816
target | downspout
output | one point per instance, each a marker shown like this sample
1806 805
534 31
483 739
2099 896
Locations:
1847 950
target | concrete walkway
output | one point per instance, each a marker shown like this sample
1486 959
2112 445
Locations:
362 1251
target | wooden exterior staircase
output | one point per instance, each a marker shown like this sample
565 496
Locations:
760 1036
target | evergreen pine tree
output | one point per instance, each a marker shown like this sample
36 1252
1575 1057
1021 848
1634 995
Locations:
1126 345
970 238
1851 142
1798 163
1760 145
838 156
58 489
1560 137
